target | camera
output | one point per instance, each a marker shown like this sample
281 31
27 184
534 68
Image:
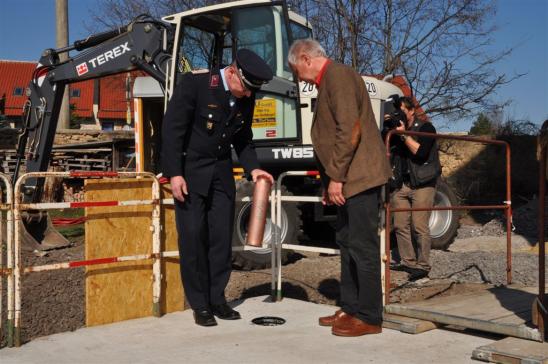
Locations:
394 112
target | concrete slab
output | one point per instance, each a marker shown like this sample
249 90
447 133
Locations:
175 338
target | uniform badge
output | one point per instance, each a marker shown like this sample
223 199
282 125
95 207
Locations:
209 125
212 106
214 81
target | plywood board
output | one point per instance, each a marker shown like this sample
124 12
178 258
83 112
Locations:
503 310
123 291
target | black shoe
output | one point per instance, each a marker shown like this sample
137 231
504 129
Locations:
204 318
416 273
225 312
397 267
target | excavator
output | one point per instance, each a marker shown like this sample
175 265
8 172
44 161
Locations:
194 40
160 48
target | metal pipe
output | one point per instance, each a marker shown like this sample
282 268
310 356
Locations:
273 209
461 207
508 213
388 253
278 246
9 252
541 219
259 207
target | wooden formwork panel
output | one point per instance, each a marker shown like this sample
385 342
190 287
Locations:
123 291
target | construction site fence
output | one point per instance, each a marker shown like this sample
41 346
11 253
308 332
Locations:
16 269
385 221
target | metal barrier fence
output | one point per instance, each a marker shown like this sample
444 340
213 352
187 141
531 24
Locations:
6 270
386 225
16 270
15 294
277 245
506 206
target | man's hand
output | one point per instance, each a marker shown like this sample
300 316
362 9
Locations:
178 188
259 172
335 194
325 198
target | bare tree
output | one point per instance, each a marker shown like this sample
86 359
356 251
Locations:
440 46
113 13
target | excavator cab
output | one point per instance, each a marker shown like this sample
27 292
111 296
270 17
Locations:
208 38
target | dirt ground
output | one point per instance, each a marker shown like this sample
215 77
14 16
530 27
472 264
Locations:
54 301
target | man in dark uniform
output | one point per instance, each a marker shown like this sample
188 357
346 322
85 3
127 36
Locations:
207 113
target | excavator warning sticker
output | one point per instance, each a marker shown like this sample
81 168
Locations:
265 113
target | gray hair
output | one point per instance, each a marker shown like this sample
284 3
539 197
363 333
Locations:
307 46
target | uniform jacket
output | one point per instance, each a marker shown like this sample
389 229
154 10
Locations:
198 129
345 136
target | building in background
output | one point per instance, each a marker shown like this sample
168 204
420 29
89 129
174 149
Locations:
100 104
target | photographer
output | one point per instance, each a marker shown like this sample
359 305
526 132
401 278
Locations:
416 168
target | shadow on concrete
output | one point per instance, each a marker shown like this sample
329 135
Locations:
289 290
514 300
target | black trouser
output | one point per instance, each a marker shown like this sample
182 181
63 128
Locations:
357 237
204 225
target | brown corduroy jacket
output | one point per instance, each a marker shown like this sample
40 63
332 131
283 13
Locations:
346 139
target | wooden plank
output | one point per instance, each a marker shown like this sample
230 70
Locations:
500 301
407 324
513 350
124 291
521 331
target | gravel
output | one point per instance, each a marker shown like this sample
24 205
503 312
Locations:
484 267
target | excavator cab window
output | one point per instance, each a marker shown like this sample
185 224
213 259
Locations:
210 40
196 52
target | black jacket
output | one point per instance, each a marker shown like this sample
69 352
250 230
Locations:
404 163
198 129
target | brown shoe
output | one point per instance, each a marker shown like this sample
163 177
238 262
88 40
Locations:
337 316
354 327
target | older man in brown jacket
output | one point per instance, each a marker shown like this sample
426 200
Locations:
353 166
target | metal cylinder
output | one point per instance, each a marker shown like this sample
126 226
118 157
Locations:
259 207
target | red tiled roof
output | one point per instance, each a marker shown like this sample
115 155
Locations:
14 74
112 103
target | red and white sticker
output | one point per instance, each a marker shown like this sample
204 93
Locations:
82 69
270 133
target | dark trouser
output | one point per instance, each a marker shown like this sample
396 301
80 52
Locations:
204 225
357 236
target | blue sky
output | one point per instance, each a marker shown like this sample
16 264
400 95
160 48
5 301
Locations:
27 27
